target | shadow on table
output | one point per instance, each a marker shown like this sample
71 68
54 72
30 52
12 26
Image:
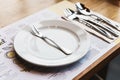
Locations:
27 67
115 2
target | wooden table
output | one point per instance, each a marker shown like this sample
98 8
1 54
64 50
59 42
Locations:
13 10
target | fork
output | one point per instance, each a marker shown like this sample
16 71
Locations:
49 41
70 14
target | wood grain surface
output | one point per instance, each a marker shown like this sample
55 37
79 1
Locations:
13 10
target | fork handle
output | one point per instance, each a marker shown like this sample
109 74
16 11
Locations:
54 44
115 26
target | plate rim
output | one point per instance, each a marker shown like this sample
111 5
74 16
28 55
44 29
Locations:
60 64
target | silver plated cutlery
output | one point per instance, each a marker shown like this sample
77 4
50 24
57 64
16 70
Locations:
71 15
49 41
82 10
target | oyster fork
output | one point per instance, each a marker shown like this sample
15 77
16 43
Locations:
49 41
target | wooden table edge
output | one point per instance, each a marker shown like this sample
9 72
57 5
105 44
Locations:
109 55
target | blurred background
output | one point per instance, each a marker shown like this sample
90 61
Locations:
12 10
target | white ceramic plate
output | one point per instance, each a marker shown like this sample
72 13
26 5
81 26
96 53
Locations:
66 34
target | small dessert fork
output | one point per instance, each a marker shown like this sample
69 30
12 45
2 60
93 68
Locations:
49 41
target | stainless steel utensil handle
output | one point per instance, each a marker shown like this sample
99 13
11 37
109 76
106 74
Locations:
54 44
98 29
98 24
115 26
107 28
89 31
104 28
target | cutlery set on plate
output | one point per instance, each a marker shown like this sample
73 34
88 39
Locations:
49 41
44 50
94 24
102 26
